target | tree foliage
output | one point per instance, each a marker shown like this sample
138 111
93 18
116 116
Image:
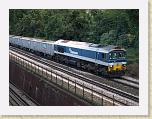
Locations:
117 27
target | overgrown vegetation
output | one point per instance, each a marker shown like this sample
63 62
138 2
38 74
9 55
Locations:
117 27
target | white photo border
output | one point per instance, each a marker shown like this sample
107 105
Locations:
142 109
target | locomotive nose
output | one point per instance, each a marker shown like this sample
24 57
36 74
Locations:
116 67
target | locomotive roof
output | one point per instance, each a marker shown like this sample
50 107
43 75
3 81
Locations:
90 46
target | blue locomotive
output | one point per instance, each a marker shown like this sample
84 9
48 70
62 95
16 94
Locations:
107 60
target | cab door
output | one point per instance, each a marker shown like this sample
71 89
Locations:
97 56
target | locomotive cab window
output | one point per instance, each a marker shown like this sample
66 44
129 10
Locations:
112 55
117 55
121 55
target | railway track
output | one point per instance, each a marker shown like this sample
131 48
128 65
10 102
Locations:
129 79
113 89
18 98
127 82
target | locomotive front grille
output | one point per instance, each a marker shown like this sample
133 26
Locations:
117 67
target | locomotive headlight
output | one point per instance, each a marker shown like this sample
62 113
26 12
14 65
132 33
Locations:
110 67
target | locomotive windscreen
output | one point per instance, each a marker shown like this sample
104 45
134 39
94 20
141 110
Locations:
117 55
